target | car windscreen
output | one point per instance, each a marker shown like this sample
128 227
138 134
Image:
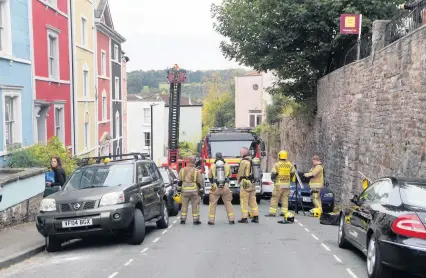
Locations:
165 176
228 148
413 194
101 176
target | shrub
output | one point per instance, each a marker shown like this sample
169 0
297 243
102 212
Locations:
39 155
186 149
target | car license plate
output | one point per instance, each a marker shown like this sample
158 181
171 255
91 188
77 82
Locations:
306 199
77 223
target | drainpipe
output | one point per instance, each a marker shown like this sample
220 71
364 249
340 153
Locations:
74 148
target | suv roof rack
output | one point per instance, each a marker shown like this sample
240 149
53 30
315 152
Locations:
136 156
232 129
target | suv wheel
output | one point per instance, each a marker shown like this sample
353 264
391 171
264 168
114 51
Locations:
138 228
164 221
52 244
341 237
258 197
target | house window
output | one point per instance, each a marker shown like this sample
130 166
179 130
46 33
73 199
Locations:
59 123
147 136
116 52
84 31
12 119
5 37
117 88
52 3
86 131
53 49
255 120
103 63
104 106
147 116
85 83
117 124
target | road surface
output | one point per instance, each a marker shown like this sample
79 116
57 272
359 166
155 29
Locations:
302 249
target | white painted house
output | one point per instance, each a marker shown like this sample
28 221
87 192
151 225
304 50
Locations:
251 98
139 124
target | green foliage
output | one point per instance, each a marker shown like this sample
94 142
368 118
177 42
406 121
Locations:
40 155
219 104
186 149
275 111
297 39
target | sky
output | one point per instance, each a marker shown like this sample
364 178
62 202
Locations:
160 33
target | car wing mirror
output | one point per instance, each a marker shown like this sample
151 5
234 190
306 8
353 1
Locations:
354 199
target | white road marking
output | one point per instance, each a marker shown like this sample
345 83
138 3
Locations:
144 250
306 229
337 259
174 221
314 236
325 247
155 240
165 231
129 262
171 225
296 220
113 275
351 273
300 224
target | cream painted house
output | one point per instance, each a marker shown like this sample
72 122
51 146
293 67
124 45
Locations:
251 98
84 70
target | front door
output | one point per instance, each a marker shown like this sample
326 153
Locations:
144 188
157 188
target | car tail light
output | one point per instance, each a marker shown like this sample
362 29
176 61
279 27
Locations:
267 183
409 225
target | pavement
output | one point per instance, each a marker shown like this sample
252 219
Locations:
302 249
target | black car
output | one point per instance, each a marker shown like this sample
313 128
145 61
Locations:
388 224
170 182
105 198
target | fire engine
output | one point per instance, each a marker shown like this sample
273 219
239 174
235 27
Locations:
228 141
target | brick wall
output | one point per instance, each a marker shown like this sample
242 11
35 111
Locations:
371 118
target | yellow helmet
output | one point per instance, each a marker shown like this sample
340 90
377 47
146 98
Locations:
178 197
289 217
106 160
282 155
316 212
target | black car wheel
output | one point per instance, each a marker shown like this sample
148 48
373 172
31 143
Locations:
163 223
375 268
175 208
206 200
341 237
138 228
52 244
258 198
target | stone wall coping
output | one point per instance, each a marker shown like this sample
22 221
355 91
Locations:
9 175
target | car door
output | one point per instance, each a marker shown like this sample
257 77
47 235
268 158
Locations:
363 214
157 188
144 188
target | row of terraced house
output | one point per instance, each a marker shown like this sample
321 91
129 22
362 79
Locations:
62 73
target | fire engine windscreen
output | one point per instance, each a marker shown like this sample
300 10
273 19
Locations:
228 148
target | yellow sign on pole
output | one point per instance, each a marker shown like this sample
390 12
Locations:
350 22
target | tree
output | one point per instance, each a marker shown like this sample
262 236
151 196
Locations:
297 39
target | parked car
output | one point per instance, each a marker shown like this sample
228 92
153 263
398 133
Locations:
170 182
1 193
267 185
105 198
304 195
387 222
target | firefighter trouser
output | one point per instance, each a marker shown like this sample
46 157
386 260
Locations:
195 202
248 198
214 197
316 199
279 194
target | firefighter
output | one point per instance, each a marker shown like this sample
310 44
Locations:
281 176
316 183
219 175
247 189
190 180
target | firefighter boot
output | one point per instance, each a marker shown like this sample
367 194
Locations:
243 220
210 223
182 222
231 222
270 215
255 219
198 222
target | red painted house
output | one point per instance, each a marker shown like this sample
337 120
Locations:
53 105
104 92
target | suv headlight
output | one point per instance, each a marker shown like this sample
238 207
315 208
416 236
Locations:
328 195
112 198
48 205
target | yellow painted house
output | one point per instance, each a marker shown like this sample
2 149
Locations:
84 72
